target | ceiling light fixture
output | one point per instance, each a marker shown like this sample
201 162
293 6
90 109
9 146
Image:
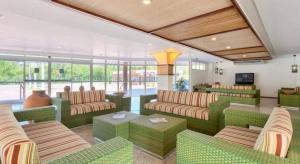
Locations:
147 2
244 56
214 39
228 47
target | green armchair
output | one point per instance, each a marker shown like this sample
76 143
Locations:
193 147
292 100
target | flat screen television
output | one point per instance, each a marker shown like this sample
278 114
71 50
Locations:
244 78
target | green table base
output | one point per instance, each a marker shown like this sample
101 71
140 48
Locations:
158 138
104 127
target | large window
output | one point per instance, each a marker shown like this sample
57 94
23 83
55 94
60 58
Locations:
112 76
61 76
36 76
11 80
19 78
99 75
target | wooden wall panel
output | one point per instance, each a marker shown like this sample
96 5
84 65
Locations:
216 22
235 39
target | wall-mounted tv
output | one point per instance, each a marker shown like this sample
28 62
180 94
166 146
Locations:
244 78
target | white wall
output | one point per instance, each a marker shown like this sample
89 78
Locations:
198 77
269 77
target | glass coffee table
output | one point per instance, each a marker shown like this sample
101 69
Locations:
108 126
156 133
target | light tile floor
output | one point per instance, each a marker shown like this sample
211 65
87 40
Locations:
141 157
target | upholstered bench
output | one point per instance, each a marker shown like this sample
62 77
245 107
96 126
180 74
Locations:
52 142
277 142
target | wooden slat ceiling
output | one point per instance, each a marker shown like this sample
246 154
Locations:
215 26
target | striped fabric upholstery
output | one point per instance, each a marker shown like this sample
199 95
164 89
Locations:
91 107
88 96
75 98
238 135
183 110
99 96
15 146
54 140
187 98
190 111
277 133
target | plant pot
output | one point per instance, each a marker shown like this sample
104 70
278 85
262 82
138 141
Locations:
38 98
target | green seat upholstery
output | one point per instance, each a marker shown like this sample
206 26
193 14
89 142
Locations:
194 148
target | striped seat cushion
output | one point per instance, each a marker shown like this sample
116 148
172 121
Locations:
54 140
15 146
183 110
98 106
191 111
238 135
91 107
277 133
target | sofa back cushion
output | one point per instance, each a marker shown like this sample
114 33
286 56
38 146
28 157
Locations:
15 146
277 133
75 97
187 98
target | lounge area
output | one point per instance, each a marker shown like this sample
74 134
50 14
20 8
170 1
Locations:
149 82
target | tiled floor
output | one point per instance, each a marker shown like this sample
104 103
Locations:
141 157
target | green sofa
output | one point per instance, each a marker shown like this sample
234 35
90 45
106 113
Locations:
43 140
292 100
211 126
193 147
63 107
240 96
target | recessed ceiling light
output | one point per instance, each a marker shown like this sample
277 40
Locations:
244 56
228 47
147 2
214 39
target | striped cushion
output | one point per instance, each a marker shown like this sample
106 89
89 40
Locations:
238 135
161 106
277 133
54 140
183 110
190 111
15 146
99 106
91 107
88 96
160 95
99 96
76 98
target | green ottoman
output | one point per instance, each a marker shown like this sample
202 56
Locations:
157 138
105 127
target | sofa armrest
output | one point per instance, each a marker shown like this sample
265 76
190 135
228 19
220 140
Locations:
193 147
115 99
114 151
63 108
216 111
39 114
244 118
144 99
